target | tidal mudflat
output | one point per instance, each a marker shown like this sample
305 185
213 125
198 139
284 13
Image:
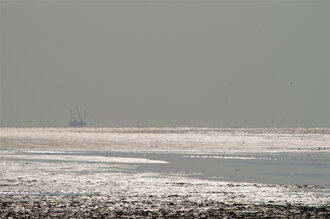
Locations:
165 172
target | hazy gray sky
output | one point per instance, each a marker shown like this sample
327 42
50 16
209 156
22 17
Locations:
165 63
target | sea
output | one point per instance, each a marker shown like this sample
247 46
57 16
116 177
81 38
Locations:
270 156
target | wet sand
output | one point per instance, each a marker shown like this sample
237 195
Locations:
150 207
64 179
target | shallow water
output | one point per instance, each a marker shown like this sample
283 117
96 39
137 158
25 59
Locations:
276 168
286 168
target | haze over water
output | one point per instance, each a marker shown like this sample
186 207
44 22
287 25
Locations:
165 63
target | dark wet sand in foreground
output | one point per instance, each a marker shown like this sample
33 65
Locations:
146 207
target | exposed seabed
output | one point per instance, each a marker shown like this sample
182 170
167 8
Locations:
163 173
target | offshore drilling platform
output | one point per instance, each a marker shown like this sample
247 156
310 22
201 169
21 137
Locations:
77 122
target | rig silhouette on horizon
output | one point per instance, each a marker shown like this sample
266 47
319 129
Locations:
77 122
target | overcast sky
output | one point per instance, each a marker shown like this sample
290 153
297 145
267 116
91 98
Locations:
165 63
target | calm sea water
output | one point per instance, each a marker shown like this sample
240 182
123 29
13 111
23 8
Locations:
289 157
279 168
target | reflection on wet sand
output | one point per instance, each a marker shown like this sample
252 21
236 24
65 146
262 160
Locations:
39 179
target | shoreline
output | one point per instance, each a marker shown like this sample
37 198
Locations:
39 177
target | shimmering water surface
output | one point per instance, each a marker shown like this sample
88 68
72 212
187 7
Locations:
271 156
278 168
